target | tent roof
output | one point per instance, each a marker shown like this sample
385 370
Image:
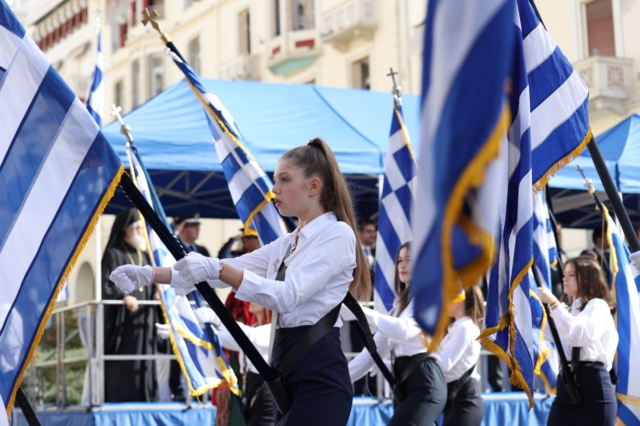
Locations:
620 148
173 138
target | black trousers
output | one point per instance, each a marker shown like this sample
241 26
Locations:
257 401
598 406
320 383
467 408
426 394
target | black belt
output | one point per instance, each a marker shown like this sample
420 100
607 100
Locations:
416 360
589 364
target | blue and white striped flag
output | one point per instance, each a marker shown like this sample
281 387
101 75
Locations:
95 97
625 286
198 351
396 201
545 255
250 187
57 173
558 97
467 58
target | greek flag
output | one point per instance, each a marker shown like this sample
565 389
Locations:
467 58
545 255
198 351
558 100
57 173
394 223
95 98
250 187
625 286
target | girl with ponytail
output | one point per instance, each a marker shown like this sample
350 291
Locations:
303 276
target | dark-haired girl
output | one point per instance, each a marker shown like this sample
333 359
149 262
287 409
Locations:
458 354
323 262
421 389
590 339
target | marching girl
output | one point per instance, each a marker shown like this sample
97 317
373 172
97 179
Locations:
256 395
587 326
421 390
322 262
458 354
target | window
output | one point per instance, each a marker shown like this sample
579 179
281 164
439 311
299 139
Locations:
244 33
360 74
303 16
600 37
118 94
194 54
275 18
135 83
156 75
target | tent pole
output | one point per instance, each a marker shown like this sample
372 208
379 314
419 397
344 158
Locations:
614 196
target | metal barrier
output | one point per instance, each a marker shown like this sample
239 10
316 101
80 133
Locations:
94 359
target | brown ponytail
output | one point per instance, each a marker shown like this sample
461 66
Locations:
474 305
316 159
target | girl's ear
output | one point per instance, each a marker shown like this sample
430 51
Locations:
315 185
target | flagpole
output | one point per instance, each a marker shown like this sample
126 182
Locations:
607 181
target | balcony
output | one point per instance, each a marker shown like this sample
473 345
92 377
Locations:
293 51
349 21
609 80
244 67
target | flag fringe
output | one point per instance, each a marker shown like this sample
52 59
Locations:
627 399
545 379
471 178
52 302
542 182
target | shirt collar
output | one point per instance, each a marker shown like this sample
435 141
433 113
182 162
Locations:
316 225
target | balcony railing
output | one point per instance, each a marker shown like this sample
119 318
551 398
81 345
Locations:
609 80
350 20
293 51
244 67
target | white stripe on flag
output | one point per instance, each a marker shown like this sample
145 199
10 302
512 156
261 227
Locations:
51 184
557 108
538 46
10 43
22 81
397 218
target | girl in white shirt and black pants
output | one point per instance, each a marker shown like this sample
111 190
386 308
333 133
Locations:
420 382
323 262
586 324
458 354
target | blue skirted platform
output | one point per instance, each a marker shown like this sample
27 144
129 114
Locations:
500 409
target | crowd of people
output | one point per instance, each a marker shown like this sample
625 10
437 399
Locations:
300 280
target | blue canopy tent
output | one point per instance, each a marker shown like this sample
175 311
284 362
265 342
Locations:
173 138
620 147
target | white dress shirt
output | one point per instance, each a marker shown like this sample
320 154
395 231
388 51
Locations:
459 350
318 275
593 330
259 336
400 334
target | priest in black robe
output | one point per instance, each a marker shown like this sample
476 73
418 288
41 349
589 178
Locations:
129 329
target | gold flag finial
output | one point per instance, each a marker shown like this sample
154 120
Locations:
149 16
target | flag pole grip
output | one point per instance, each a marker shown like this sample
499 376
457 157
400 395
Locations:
614 196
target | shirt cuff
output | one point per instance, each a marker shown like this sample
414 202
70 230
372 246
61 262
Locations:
250 286
217 284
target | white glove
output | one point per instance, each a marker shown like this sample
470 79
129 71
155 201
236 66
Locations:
131 277
163 331
635 261
182 288
195 268
206 315
346 314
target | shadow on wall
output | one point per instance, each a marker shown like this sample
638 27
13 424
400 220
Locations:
84 286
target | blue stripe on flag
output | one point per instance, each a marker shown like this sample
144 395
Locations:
263 228
406 200
386 188
63 236
31 145
400 155
384 288
548 77
528 19
9 21
623 320
563 136
252 196
626 416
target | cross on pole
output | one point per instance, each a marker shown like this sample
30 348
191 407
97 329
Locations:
125 129
587 182
149 16
396 88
